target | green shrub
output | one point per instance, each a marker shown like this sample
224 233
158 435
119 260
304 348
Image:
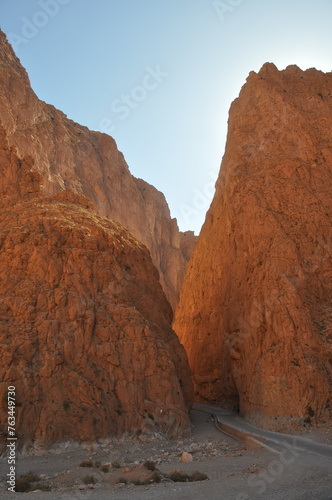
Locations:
86 463
105 468
23 482
198 476
150 465
116 464
89 480
155 478
178 476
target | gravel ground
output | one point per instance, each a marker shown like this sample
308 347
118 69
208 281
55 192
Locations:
232 471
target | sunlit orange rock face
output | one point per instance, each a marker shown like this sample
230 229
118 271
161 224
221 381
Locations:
69 156
255 313
85 327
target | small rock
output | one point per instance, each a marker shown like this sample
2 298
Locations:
186 457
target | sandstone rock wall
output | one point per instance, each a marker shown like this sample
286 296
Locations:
69 156
255 313
85 329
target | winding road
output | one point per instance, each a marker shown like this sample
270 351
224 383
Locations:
231 424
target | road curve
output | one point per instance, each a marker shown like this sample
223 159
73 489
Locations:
231 424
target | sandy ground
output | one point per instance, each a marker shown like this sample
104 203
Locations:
233 472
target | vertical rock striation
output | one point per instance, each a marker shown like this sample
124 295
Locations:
255 313
85 327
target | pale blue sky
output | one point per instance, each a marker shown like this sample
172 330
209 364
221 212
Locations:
160 75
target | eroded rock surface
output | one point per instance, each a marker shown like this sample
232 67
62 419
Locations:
85 329
69 156
255 313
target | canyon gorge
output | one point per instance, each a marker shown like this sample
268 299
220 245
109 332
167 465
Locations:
93 270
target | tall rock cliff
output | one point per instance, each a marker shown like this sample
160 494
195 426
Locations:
69 156
85 329
255 313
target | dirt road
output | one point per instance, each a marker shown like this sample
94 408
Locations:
234 473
